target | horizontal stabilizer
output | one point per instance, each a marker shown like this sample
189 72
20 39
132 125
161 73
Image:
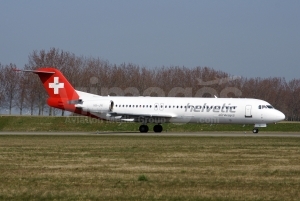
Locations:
33 71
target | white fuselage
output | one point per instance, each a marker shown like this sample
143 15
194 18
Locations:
181 109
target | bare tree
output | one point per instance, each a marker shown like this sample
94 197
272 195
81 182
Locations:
1 87
11 80
293 103
21 93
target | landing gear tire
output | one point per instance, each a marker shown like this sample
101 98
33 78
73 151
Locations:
255 130
144 128
157 128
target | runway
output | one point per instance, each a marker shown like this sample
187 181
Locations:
181 134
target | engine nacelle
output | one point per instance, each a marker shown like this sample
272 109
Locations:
100 106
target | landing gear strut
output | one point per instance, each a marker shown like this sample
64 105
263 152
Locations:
255 130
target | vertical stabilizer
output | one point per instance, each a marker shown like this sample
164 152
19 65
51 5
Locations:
59 89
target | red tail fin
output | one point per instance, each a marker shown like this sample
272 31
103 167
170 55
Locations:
59 89
56 85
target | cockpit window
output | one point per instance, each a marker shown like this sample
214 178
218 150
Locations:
265 107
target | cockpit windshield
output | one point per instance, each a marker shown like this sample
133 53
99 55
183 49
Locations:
265 107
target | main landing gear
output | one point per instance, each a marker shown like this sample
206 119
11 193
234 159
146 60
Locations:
157 128
255 130
144 128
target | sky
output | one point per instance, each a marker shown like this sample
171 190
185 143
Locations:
247 38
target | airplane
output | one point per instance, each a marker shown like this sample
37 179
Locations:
158 110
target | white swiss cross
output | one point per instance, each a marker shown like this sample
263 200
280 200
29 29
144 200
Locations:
56 85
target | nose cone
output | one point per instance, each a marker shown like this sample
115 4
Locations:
280 116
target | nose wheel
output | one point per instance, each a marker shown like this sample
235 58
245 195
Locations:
255 130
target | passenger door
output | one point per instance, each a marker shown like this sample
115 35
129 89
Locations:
248 113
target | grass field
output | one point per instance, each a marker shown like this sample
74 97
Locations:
28 123
102 167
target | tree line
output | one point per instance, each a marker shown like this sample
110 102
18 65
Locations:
23 93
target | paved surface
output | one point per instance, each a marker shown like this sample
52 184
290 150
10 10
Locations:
200 134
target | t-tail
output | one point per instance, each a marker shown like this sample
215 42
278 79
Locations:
60 91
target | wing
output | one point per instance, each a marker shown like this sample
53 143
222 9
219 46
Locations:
141 117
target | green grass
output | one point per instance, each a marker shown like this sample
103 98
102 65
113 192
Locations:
27 123
142 178
103 167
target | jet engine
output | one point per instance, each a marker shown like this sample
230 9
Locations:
99 106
